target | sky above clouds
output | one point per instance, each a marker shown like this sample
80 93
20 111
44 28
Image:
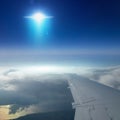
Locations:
80 33
85 24
79 23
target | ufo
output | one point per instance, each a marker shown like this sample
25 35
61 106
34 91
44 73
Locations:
38 17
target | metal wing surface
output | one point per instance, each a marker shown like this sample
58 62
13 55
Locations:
94 101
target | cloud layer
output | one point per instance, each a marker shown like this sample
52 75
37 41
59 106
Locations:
107 76
33 93
28 92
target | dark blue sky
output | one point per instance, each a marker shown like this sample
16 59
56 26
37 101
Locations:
84 32
83 23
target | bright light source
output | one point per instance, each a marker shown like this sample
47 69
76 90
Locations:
39 17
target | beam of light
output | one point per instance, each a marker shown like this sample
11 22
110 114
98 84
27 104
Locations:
39 17
39 28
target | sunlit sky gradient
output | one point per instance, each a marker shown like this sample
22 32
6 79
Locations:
81 33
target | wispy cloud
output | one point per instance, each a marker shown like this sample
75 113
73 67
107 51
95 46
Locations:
55 51
108 76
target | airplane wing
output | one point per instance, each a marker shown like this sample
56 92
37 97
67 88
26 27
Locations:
94 101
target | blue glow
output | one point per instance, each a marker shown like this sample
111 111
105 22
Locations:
39 25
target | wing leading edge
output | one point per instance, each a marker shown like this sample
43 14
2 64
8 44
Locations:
94 101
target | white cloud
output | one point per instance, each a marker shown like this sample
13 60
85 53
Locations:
107 76
30 91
